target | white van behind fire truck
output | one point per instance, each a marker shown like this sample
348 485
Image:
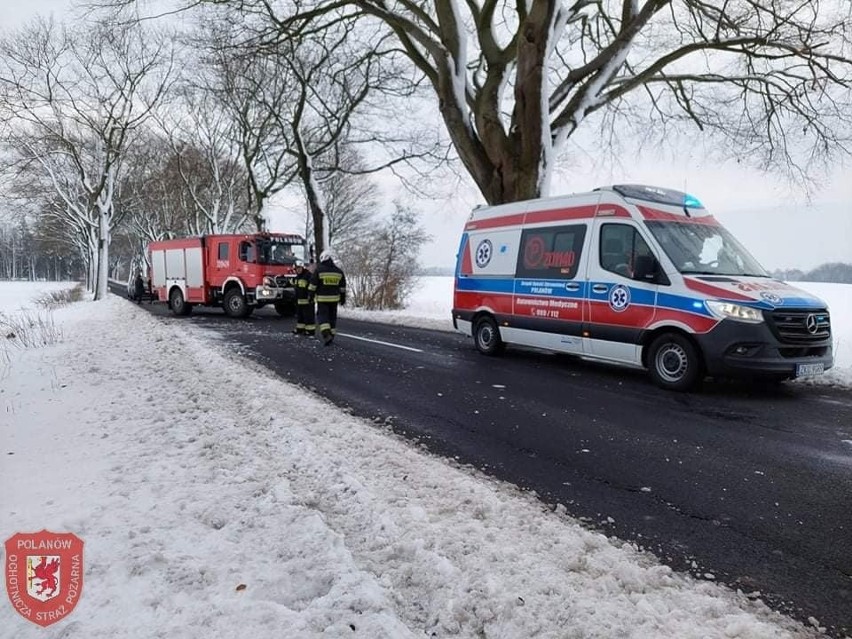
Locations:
635 275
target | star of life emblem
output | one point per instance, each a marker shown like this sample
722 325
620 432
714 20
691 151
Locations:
619 298
483 253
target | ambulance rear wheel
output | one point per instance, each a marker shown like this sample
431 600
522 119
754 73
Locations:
674 362
178 304
486 336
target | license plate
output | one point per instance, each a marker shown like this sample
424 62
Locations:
809 370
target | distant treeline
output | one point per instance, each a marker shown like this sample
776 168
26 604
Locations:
839 272
437 270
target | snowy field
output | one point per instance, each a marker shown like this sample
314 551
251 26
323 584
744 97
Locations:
17 296
217 501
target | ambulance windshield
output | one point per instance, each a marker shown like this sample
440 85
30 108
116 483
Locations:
704 249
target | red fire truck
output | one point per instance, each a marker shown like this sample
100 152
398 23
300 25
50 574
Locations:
237 272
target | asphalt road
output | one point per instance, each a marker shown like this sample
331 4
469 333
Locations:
747 485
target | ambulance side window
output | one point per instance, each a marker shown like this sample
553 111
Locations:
620 245
551 253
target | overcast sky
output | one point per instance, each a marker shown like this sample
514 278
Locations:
774 220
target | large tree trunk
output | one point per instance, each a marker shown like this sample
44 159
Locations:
102 259
512 166
530 129
315 199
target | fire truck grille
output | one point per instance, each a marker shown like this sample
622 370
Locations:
800 326
282 281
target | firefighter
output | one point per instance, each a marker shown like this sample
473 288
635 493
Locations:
138 287
328 287
305 322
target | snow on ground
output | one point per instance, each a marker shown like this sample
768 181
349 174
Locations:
15 296
839 299
190 473
431 304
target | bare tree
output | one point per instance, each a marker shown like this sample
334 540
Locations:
77 98
382 264
351 200
335 77
254 91
203 140
307 94
514 81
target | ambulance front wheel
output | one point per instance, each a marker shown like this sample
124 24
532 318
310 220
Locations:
486 335
674 362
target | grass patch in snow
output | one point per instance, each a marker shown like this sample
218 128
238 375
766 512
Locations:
35 328
55 299
29 329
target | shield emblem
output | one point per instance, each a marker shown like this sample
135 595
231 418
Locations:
44 575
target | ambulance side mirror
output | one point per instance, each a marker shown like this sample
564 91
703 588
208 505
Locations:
646 268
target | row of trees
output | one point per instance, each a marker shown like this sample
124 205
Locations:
113 128
116 134
27 254
839 272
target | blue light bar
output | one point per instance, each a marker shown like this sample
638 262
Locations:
691 202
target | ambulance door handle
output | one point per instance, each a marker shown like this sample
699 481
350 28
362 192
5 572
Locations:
599 288
572 286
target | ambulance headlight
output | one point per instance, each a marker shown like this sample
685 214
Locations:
728 310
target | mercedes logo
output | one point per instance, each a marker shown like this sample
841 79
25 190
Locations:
811 324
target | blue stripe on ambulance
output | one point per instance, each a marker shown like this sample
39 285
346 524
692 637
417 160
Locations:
486 285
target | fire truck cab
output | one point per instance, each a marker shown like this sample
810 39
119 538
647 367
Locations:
237 272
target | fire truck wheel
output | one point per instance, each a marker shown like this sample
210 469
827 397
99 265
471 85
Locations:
674 362
486 336
178 304
235 304
285 309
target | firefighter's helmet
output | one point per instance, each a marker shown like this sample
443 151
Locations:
328 255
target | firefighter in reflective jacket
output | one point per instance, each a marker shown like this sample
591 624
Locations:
328 286
305 322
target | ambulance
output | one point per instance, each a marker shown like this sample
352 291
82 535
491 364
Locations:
634 275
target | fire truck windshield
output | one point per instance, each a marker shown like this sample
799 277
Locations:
275 251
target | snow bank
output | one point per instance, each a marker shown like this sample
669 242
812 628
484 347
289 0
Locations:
215 500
